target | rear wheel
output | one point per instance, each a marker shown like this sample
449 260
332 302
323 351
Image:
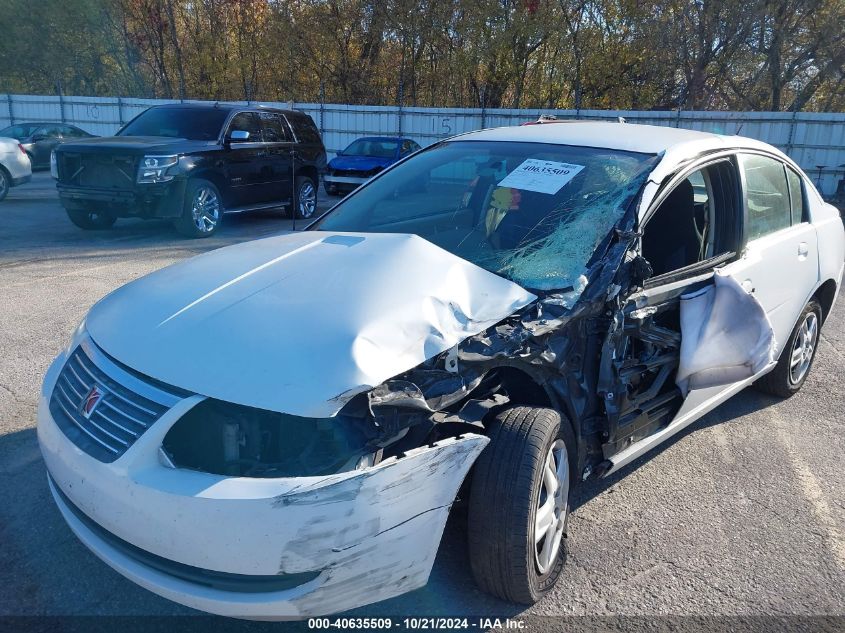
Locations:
305 205
797 356
519 504
5 183
202 211
91 220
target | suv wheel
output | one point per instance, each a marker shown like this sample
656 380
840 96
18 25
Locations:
91 220
203 209
519 504
305 205
797 355
5 183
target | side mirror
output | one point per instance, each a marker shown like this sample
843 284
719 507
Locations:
239 136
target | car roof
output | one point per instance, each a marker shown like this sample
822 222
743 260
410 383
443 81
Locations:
39 123
675 146
228 107
631 137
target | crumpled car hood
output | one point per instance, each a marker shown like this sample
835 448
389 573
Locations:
300 323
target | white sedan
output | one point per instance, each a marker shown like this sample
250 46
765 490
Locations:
15 168
278 429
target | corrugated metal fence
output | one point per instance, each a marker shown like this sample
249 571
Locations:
816 141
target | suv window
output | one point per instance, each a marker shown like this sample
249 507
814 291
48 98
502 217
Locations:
274 128
246 122
796 195
194 124
767 194
304 128
695 222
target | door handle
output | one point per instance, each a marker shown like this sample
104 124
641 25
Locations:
748 286
803 250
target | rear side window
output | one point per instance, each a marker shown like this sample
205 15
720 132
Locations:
305 130
767 191
274 128
796 195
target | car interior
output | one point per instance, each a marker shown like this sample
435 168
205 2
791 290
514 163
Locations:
696 221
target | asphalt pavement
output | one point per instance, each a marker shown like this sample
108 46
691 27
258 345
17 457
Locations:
741 514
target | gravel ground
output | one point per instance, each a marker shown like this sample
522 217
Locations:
741 514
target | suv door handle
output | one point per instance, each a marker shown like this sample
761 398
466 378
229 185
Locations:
803 250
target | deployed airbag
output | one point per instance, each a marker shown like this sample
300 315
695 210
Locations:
725 336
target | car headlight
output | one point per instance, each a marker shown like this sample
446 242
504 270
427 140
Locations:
54 166
154 168
223 438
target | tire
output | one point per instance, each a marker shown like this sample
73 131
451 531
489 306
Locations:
508 488
202 209
91 220
305 205
331 190
797 355
5 183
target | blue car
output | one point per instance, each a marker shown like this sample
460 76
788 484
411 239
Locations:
363 159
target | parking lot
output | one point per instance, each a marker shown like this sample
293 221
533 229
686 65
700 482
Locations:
742 514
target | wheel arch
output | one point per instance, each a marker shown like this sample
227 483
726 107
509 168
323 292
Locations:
215 178
311 172
825 295
530 389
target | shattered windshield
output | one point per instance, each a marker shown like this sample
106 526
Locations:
531 212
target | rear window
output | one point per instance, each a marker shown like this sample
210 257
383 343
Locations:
195 124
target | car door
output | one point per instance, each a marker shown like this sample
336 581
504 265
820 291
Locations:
45 140
279 144
249 171
692 229
779 264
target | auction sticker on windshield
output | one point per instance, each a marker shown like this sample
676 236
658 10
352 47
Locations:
542 176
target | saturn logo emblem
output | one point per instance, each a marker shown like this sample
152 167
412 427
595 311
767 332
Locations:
89 404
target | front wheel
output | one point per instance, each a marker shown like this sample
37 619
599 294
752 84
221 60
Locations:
519 504
202 211
305 205
91 220
797 355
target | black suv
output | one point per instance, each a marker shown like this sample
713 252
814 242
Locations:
191 163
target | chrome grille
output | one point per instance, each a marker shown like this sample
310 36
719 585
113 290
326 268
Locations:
97 413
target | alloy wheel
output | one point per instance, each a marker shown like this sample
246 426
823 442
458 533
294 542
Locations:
307 200
803 348
205 209
552 500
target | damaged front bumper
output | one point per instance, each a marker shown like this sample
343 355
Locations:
257 548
